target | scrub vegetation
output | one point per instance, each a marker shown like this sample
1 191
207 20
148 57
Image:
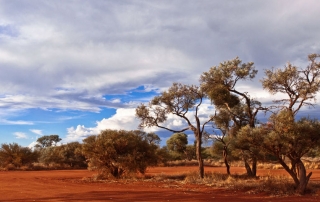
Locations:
285 141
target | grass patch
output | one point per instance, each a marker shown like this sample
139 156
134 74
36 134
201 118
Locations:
269 184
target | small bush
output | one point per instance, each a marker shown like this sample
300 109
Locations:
119 153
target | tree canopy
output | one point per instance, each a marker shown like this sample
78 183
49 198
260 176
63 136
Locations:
48 141
284 135
183 102
234 109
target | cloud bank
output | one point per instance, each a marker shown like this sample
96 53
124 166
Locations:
83 55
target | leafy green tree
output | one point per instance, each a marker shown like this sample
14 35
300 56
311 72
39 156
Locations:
178 142
69 155
16 155
283 135
163 155
50 155
285 138
239 109
47 141
153 138
191 152
119 152
180 101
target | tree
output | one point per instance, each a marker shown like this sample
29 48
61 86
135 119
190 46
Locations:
180 101
283 135
47 141
16 155
191 152
119 152
69 154
152 138
177 144
220 84
50 155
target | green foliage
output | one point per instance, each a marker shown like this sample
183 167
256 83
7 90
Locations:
16 155
178 142
152 138
299 85
190 152
234 109
217 148
119 152
48 141
284 136
71 154
180 101
50 155
65 155
220 81
163 155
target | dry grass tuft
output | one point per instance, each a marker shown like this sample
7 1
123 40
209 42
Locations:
271 185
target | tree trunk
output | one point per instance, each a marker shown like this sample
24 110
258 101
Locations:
199 157
247 166
291 172
303 177
225 156
251 171
300 178
254 167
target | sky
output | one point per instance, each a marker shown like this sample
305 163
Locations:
77 67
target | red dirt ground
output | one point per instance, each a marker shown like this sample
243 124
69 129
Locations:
66 185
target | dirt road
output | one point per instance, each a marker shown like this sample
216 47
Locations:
66 185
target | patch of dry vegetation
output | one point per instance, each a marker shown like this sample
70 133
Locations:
269 184
310 163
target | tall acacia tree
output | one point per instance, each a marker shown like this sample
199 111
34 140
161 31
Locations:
284 136
181 101
220 84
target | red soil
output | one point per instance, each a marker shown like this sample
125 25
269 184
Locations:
66 185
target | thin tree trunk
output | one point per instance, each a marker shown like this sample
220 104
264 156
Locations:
225 156
199 157
254 167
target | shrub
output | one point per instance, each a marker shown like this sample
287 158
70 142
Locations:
14 156
119 152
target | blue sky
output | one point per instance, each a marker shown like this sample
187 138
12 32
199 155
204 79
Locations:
74 68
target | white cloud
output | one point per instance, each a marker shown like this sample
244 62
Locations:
20 135
124 119
79 133
32 144
18 122
67 55
36 131
107 51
